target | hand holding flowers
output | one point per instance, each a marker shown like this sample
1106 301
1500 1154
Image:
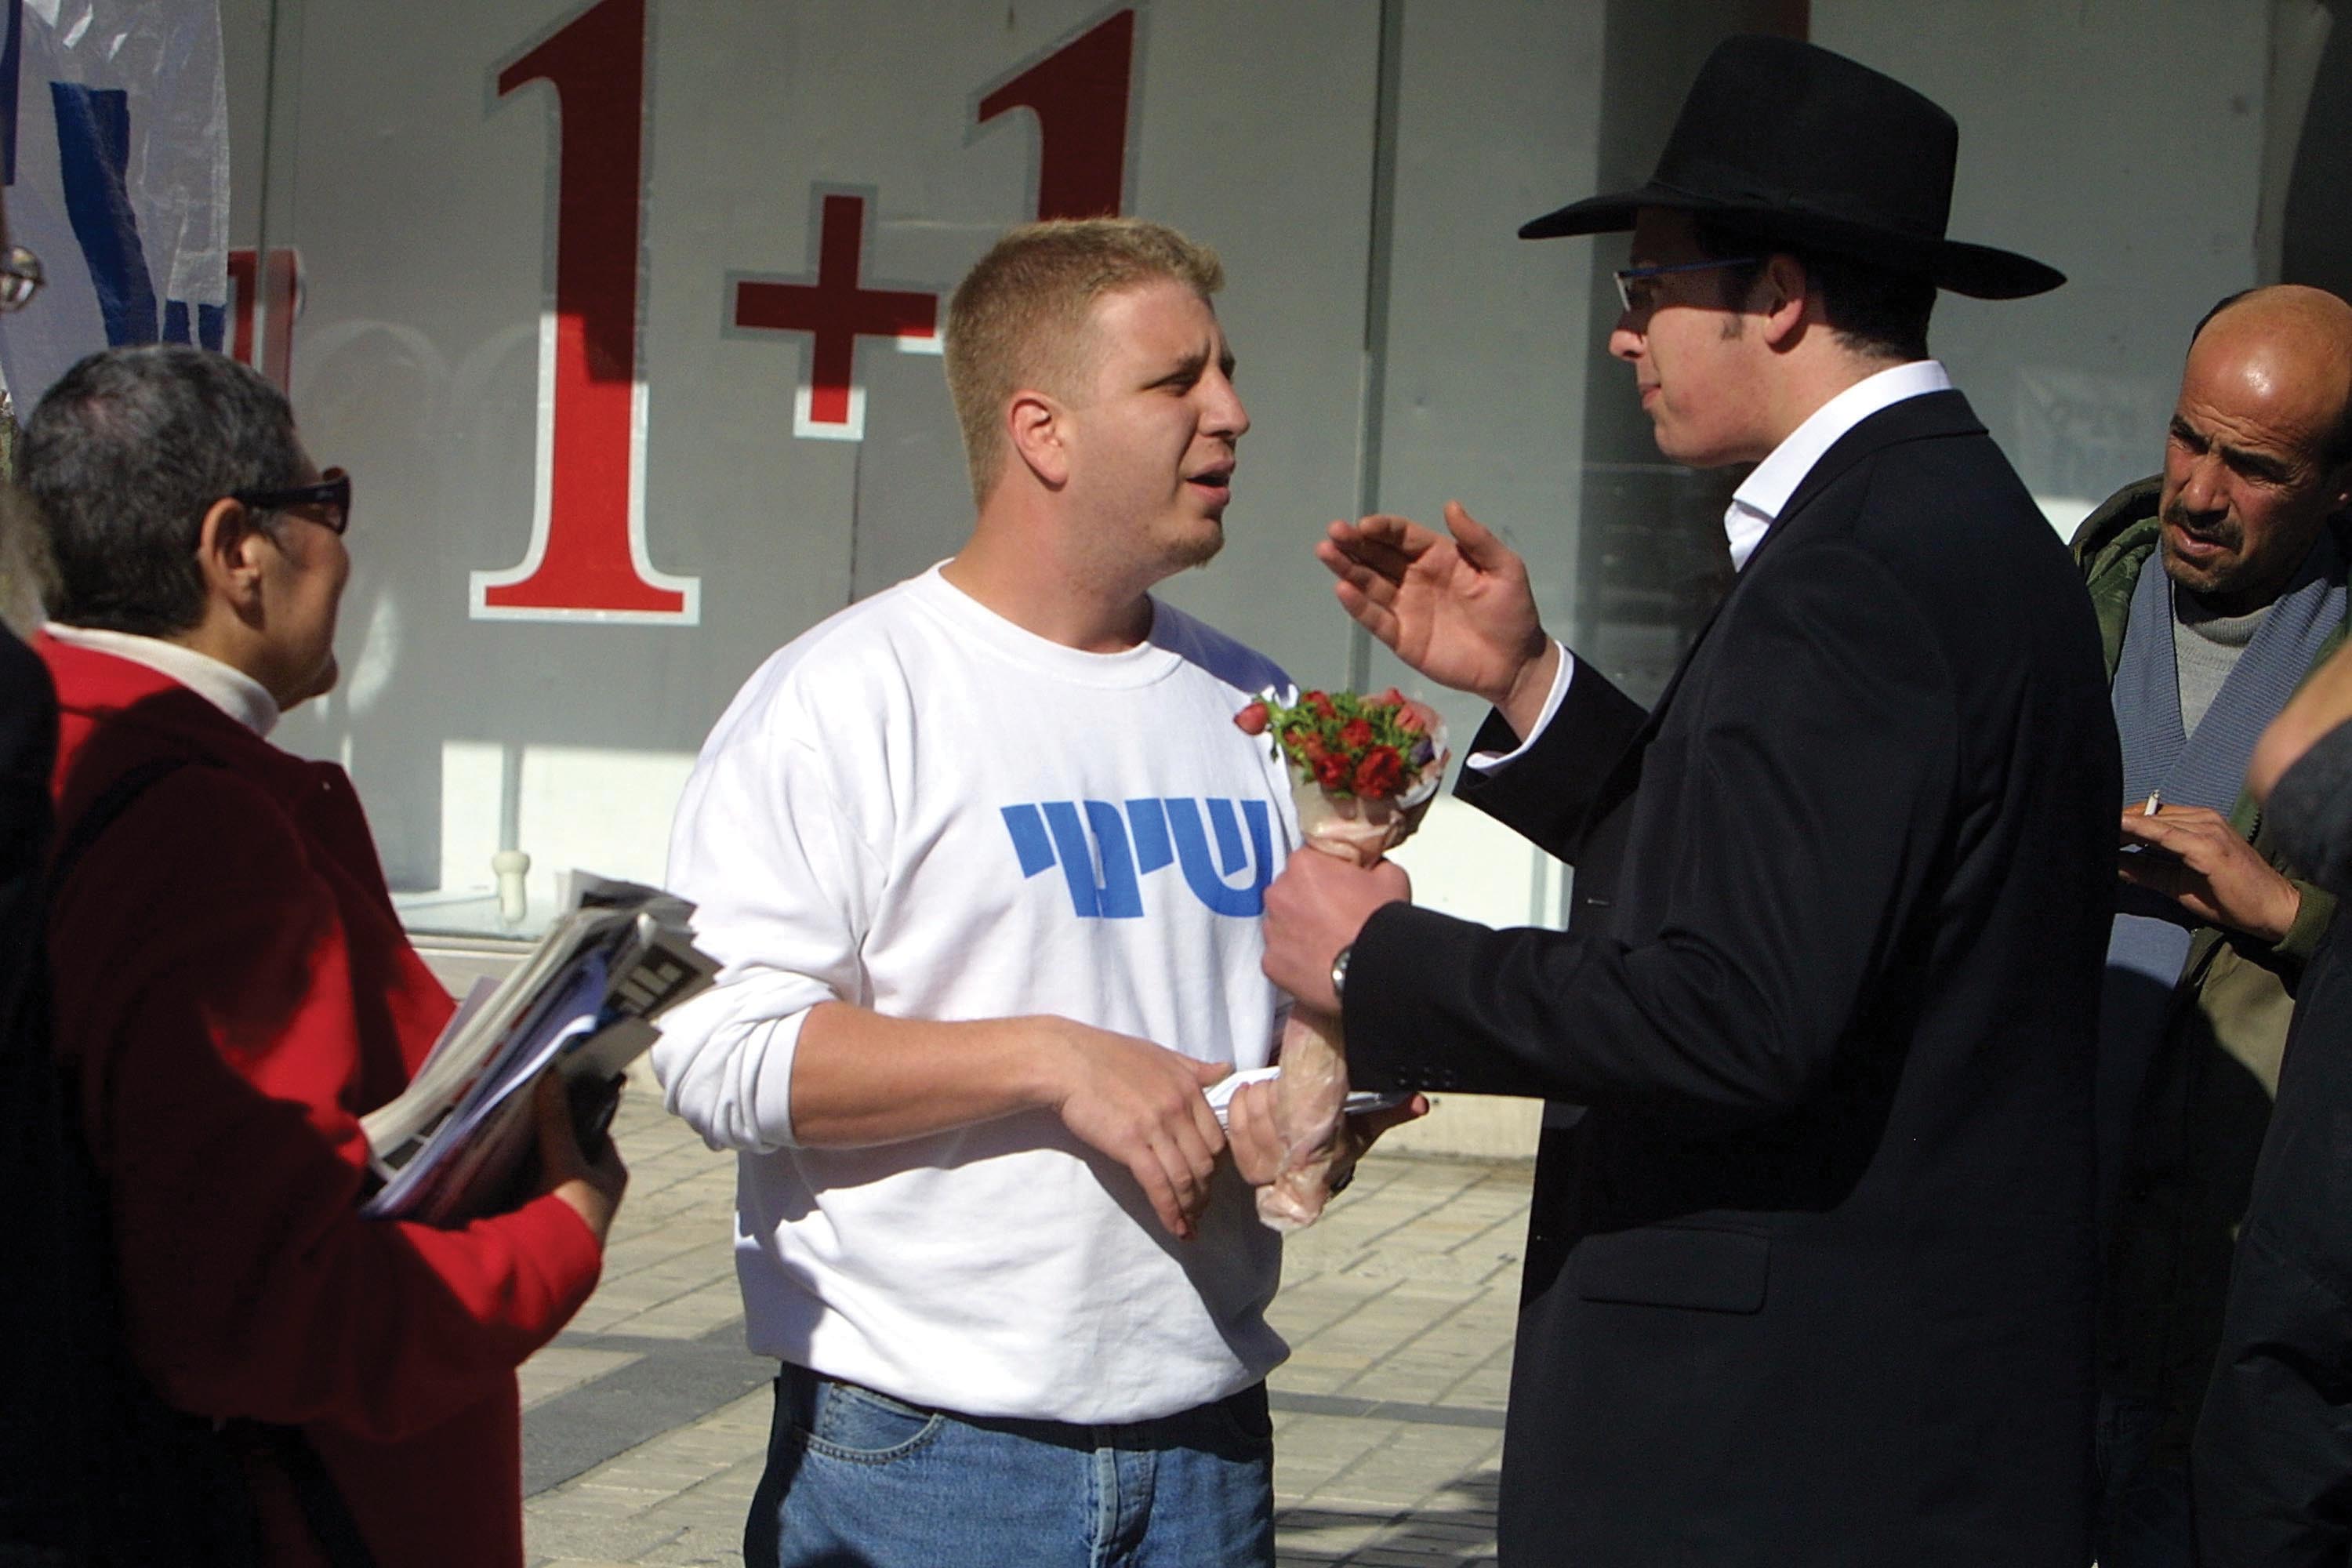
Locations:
1364 771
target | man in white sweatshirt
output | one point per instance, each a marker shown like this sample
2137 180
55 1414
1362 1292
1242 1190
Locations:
983 858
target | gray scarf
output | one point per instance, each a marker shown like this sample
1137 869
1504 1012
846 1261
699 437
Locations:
2152 934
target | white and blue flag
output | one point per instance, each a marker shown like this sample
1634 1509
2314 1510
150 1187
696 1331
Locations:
114 138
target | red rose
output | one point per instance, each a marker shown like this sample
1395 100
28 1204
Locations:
1252 719
1311 749
1318 704
1356 734
1381 774
1391 698
1410 721
1331 771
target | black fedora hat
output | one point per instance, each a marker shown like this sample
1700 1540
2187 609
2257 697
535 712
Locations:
1789 142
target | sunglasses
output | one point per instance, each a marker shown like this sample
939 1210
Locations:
331 495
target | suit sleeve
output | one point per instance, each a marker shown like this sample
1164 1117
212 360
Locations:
1793 808
1545 794
217 1029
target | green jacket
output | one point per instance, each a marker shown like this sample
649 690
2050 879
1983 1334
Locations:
2207 1099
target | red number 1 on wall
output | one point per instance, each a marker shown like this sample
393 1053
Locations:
587 557
1079 93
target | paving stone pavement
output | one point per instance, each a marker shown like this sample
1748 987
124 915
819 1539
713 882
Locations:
645 1422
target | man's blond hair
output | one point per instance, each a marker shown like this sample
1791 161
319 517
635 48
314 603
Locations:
1019 317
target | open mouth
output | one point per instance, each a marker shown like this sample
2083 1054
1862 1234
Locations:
1217 479
2198 543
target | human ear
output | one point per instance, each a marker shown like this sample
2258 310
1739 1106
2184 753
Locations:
1779 298
2339 487
228 554
1038 427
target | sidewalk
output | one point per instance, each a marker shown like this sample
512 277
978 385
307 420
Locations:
645 1422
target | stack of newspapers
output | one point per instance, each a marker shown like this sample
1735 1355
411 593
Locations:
452 1146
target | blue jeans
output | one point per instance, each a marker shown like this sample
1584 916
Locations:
856 1479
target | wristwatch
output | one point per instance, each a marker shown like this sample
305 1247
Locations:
1340 972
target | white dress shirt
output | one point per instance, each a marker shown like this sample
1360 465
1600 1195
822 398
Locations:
1756 503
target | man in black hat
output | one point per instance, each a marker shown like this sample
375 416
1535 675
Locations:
1809 1275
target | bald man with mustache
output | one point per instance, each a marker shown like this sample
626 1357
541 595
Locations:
2246 530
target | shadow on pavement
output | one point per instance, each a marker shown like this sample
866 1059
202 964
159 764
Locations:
1459 1533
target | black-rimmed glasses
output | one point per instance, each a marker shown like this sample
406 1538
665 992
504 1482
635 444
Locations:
1633 294
331 495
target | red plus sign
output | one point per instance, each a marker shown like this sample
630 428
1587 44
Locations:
835 311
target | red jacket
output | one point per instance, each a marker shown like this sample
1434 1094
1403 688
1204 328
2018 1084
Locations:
237 991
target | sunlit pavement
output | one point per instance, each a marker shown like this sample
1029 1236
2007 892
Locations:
646 1422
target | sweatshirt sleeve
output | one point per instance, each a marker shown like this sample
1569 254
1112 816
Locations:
772 844
220 1009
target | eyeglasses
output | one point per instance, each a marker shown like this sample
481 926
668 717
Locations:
1634 294
331 494
20 277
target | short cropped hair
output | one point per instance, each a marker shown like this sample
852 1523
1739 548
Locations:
2339 449
1874 313
1019 317
2219 305
125 454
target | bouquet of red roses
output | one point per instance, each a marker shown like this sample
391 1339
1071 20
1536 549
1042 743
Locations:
1363 769
1362 772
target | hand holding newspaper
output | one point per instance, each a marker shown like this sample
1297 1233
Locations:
449 1148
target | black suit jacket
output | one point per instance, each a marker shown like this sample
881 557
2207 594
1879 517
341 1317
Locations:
1810 1281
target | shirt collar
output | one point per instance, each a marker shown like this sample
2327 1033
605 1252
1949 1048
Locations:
1756 503
224 686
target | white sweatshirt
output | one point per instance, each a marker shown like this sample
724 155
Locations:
920 808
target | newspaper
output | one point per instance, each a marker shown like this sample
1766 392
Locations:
1360 1102
581 1004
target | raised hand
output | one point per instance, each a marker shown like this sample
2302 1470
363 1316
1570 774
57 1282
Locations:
1457 608
2214 874
1142 1106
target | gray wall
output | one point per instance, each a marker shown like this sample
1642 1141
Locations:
2123 145
1361 166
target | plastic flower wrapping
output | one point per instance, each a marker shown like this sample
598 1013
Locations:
1362 772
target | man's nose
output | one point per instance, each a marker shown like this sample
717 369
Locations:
1625 338
2206 488
1226 417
